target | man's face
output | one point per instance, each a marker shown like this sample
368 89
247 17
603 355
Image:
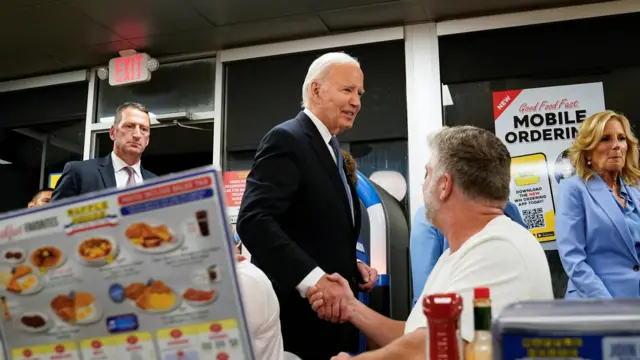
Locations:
42 199
131 134
431 203
337 96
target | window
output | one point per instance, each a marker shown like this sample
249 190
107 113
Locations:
382 155
175 87
29 155
264 92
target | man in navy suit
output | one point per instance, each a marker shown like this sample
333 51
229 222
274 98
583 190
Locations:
300 217
130 133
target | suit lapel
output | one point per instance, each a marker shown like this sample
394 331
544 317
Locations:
325 158
600 192
107 172
145 174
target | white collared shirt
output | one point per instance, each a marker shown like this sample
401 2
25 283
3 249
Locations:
121 173
324 132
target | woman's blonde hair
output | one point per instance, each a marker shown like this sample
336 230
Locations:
590 135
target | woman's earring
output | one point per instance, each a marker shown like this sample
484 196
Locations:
588 162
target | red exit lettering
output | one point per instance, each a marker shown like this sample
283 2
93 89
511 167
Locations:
128 68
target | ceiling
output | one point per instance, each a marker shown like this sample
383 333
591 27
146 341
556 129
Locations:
47 36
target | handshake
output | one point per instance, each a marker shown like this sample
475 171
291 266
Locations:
332 297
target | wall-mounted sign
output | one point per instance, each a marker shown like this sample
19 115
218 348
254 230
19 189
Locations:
538 126
131 69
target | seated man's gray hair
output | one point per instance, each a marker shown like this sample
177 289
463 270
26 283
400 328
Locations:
477 160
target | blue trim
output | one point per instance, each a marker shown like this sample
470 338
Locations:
366 192
362 257
383 280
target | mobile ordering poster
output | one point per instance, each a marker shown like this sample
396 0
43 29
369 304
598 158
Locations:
538 126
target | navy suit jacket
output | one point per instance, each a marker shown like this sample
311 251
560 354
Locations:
594 242
81 177
295 215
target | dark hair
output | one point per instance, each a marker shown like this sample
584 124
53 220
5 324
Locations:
40 192
129 105
478 161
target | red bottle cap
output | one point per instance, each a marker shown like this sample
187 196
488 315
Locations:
442 306
481 293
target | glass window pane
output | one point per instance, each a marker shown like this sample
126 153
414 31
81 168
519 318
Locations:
174 87
239 160
382 155
21 158
273 85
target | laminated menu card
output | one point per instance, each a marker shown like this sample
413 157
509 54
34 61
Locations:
138 273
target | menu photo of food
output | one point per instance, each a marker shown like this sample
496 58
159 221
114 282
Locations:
33 322
21 280
13 256
199 296
154 296
47 258
152 238
77 308
97 251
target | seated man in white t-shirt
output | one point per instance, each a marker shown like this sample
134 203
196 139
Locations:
465 191
261 310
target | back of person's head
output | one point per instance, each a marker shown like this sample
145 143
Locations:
319 69
477 161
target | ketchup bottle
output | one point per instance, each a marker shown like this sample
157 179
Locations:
443 334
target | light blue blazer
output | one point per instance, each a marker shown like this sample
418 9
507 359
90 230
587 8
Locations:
594 242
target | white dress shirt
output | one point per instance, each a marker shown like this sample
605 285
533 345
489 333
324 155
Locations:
121 173
316 274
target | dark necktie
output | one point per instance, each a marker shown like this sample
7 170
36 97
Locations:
340 162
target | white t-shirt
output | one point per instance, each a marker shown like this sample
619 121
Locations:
504 257
262 311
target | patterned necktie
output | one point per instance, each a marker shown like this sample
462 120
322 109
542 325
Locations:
131 180
340 162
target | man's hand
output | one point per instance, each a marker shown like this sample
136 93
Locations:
331 298
342 356
370 276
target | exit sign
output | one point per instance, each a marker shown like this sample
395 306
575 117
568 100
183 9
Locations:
129 70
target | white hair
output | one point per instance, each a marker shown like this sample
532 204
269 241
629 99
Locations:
319 68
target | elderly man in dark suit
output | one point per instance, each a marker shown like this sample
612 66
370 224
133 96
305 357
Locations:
130 133
300 216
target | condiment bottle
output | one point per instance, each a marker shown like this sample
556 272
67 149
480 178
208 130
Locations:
481 347
443 318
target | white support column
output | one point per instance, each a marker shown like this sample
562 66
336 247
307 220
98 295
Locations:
218 130
424 102
91 110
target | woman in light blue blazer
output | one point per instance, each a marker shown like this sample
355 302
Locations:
598 215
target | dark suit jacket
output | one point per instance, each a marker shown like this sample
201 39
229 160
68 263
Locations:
294 216
81 177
